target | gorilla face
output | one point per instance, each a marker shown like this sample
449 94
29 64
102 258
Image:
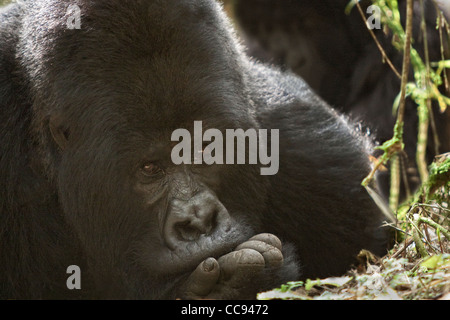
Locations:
130 205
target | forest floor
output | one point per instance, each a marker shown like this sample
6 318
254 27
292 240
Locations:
417 268
401 275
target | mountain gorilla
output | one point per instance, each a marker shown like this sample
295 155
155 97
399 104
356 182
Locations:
335 54
86 176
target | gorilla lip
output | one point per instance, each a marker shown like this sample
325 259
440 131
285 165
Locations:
213 153
182 255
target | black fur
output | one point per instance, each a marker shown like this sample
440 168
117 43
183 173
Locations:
81 109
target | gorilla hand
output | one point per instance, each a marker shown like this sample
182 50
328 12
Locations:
237 274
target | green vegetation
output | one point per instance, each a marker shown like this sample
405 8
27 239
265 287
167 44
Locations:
418 267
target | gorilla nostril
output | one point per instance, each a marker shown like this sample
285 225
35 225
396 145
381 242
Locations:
211 222
187 231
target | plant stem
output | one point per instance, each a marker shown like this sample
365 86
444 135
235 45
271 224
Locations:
420 247
394 193
435 225
406 60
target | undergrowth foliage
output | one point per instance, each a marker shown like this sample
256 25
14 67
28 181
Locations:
418 267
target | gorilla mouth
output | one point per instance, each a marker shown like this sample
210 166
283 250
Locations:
188 255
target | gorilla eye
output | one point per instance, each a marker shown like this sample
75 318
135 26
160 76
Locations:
150 169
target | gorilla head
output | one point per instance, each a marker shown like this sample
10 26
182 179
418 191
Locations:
111 108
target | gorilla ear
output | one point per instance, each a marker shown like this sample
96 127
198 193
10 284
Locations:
59 132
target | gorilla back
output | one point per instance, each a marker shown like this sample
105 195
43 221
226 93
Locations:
86 177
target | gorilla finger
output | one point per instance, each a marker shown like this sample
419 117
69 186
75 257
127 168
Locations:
269 239
240 265
272 255
202 280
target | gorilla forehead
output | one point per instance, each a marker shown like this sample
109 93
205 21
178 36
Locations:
130 30
168 59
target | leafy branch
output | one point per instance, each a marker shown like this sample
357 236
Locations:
423 90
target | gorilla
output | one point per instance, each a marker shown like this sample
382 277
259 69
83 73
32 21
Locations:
335 54
89 99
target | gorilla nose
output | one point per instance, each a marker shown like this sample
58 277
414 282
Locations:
187 221
200 221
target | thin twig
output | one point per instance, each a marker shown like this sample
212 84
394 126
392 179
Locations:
436 226
406 60
406 244
380 47
403 165
441 21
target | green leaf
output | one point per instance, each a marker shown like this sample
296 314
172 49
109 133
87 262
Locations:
433 262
